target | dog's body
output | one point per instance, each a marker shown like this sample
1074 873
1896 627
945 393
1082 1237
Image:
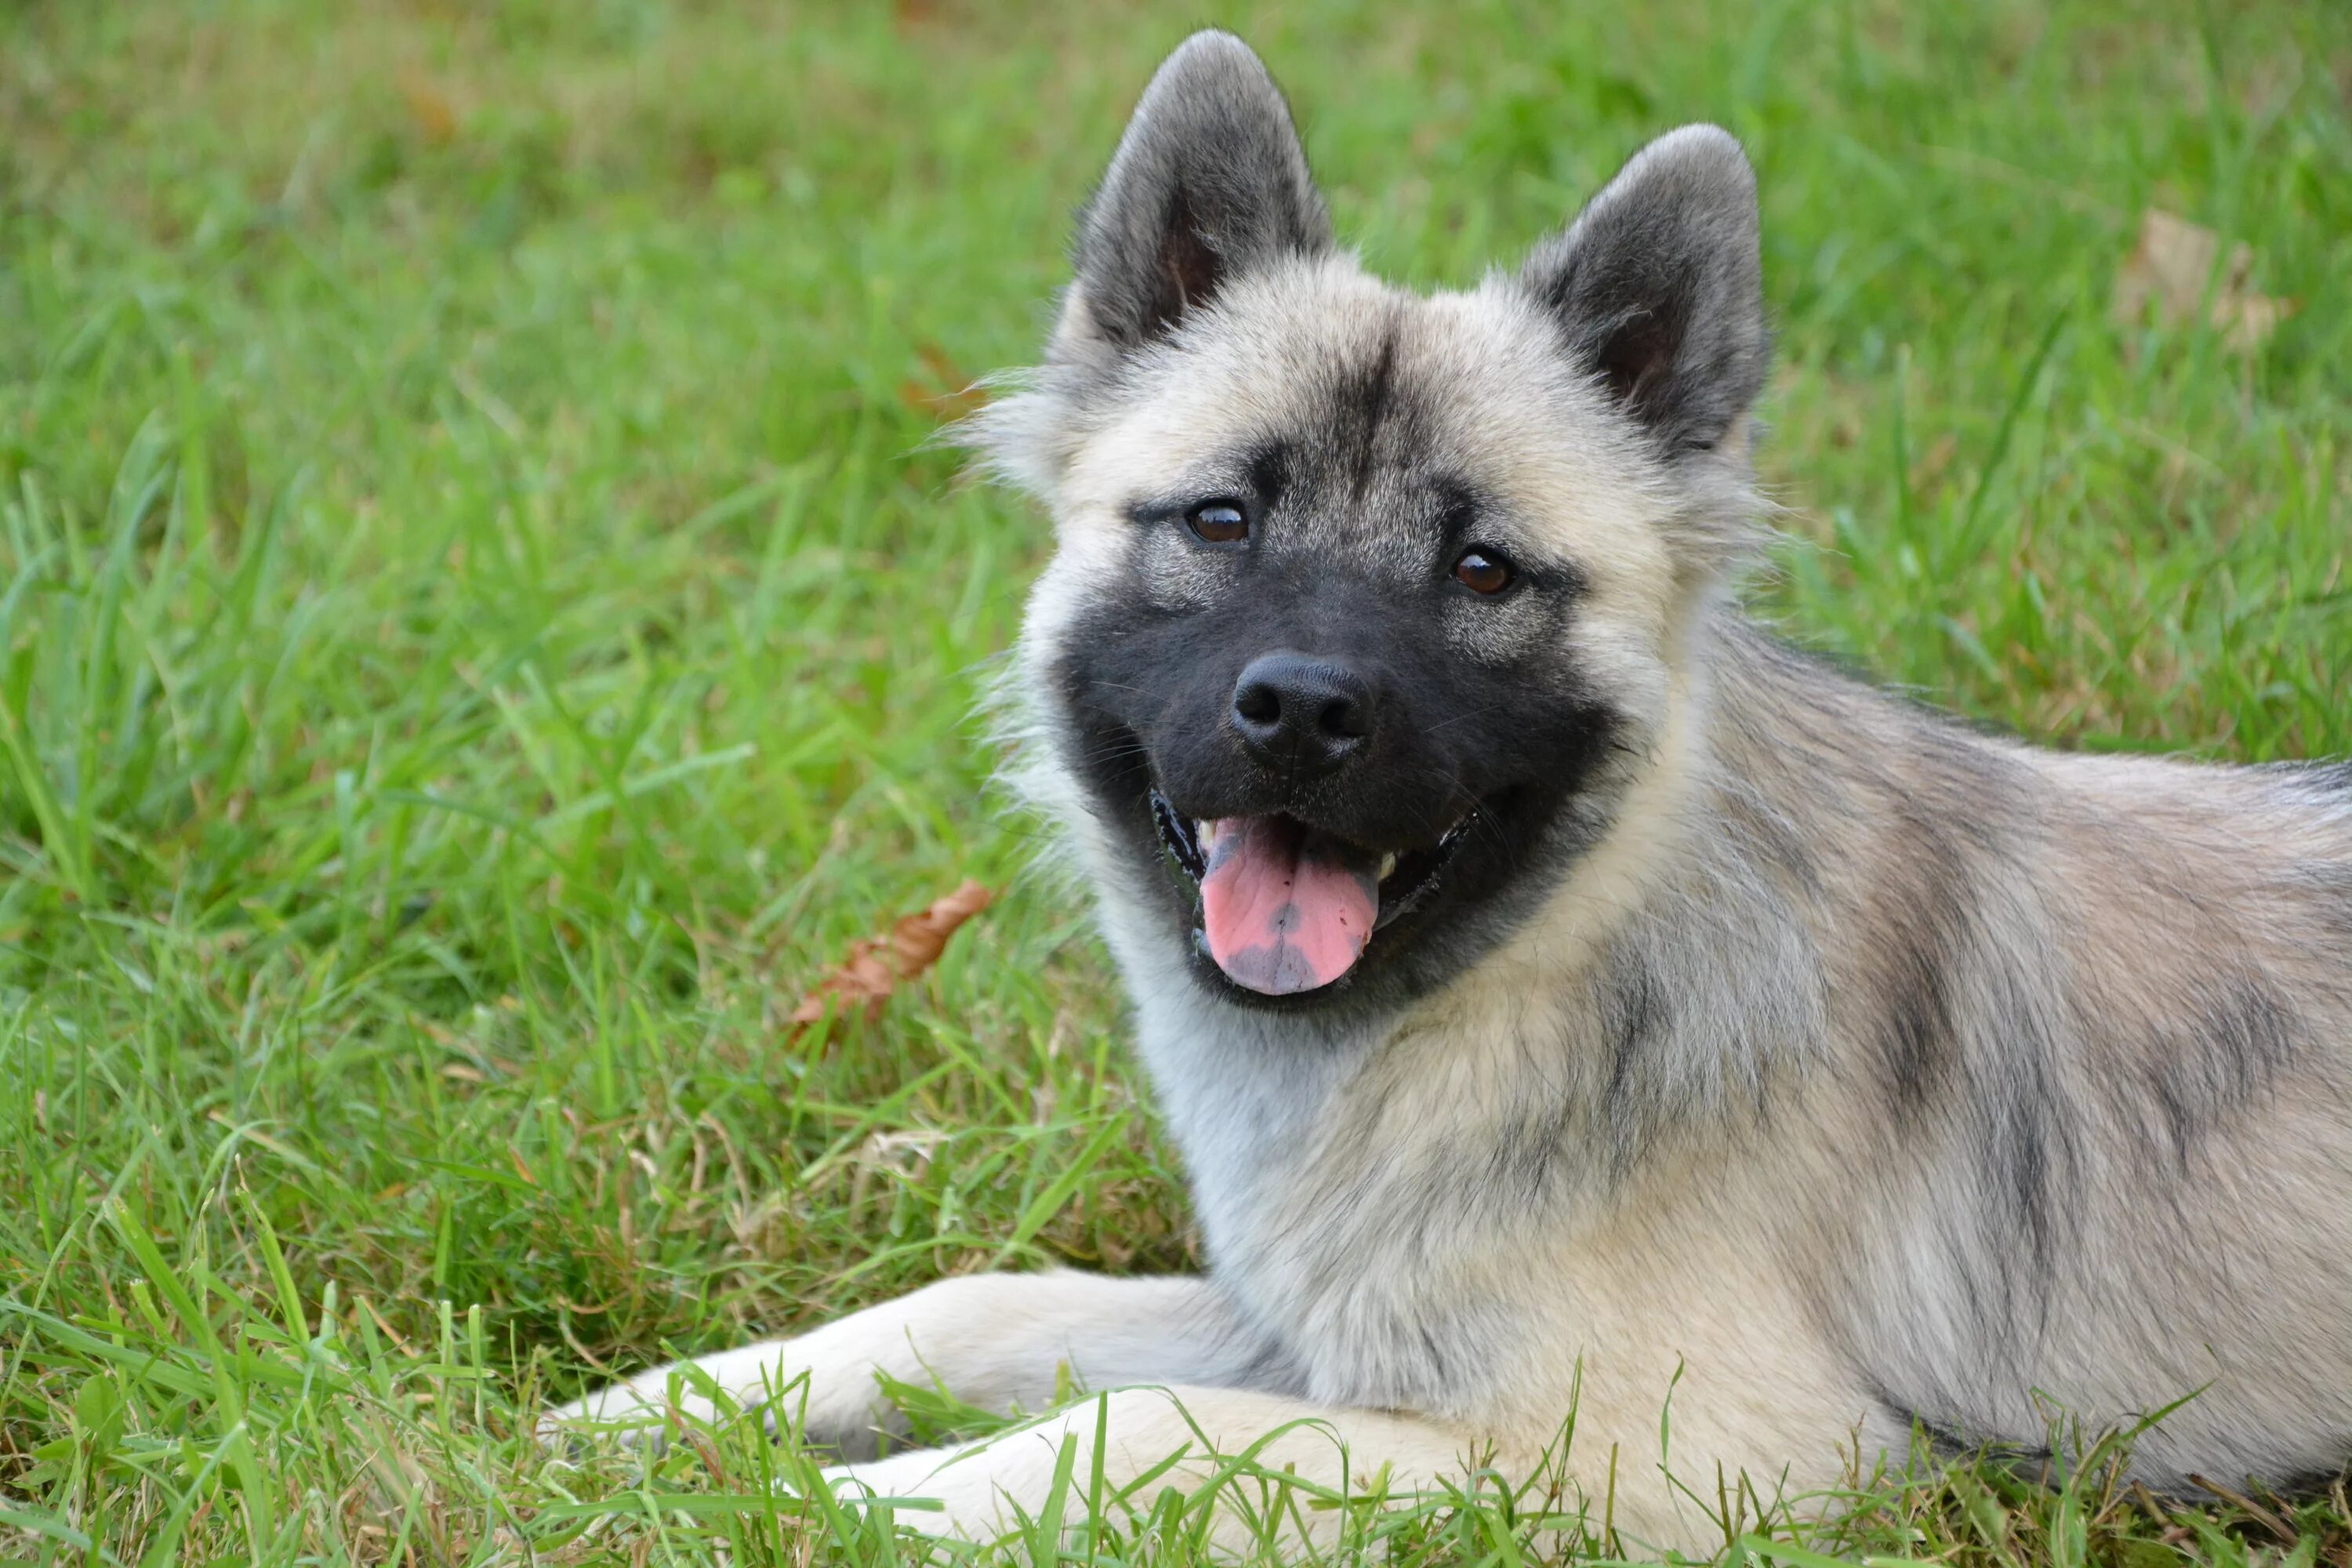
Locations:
1566 998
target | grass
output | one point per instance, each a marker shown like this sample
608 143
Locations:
481 632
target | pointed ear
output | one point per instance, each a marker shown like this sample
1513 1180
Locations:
1209 182
1658 287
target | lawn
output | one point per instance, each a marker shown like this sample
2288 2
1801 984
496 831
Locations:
481 632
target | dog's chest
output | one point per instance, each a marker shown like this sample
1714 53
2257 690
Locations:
1362 1253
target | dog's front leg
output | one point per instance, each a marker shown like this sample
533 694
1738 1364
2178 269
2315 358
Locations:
1270 1456
994 1340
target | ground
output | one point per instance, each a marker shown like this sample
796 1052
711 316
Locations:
481 632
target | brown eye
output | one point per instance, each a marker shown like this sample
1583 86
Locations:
1481 572
1218 523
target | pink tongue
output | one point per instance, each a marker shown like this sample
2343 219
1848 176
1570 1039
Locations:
1285 908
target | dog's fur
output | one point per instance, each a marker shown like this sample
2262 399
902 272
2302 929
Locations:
1776 1049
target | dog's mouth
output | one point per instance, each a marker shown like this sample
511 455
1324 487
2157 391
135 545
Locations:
1287 907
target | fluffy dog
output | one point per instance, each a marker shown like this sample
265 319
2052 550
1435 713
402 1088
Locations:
1567 998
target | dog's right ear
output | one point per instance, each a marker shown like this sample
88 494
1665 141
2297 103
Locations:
1208 182
1658 285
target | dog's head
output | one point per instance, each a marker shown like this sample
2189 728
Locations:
1367 604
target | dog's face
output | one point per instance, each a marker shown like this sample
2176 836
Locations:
1368 605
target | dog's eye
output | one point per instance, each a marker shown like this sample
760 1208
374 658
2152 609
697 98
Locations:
1219 522
1483 571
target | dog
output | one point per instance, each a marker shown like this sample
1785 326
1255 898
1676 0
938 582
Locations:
1573 1005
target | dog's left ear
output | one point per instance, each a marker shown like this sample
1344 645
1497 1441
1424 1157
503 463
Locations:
1658 287
1208 182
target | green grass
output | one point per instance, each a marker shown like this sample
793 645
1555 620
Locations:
480 631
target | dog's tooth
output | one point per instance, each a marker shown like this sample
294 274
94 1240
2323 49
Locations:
1388 865
1205 834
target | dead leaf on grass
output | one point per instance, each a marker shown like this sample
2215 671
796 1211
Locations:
429 108
2170 266
876 966
952 392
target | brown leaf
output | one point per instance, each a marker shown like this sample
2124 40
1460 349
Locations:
937 360
2170 266
429 107
953 392
878 965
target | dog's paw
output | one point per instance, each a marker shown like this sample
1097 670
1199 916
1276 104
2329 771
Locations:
836 1408
924 1491
626 1415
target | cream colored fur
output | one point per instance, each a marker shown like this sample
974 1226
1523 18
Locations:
1859 1076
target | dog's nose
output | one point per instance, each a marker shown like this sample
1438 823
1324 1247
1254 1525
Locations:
1303 715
